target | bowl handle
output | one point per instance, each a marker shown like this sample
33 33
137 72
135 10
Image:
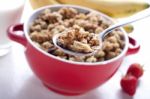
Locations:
134 47
16 33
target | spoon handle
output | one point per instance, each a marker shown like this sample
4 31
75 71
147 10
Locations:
136 17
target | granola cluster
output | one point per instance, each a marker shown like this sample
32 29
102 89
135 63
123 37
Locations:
80 33
78 40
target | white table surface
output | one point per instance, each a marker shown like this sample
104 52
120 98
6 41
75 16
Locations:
18 82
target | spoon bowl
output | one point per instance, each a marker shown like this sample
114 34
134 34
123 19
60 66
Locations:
70 52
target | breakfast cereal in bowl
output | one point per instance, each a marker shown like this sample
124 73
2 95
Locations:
80 34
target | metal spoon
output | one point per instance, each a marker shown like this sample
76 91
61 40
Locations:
131 19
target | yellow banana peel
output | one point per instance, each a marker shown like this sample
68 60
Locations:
128 28
40 3
113 8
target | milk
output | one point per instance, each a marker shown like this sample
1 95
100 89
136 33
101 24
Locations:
10 13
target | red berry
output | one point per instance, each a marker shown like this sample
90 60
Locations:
128 84
135 70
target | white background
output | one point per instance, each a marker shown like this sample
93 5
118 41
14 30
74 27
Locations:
18 82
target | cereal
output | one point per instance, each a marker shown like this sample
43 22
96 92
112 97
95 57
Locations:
110 55
80 47
47 45
36 28
80 34
68 13
39 37
100 54
78 59
91 59
98 30
72 40
107 46
112 39
59 52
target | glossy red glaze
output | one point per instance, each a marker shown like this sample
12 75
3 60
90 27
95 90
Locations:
18 37
134 46
67 77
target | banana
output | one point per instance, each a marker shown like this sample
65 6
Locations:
128 28
40 3
113 8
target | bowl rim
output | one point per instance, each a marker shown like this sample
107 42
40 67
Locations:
26 25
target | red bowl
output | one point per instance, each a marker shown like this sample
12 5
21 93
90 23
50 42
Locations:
63 76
